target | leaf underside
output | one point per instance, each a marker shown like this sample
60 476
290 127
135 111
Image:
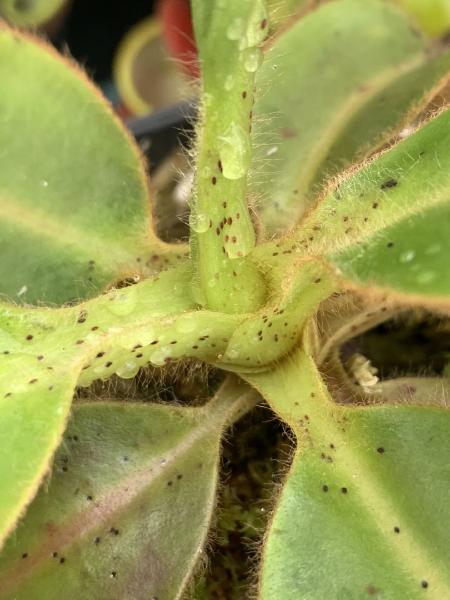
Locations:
128 506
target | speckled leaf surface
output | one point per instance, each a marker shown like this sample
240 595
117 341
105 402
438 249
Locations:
128 507
74 206
332 86
391 219
45 353
41 356
365 506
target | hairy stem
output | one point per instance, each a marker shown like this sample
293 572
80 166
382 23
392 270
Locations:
222 232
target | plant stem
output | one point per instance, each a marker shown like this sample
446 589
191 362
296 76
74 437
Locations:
222 232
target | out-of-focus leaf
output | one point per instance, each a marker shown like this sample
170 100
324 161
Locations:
432 15
30 13
333 86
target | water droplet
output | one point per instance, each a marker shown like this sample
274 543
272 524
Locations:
252 59
233 353
256 30
44 183
123 302
186 324
234 152
128 370
199 222
272 150
208 99
433 249
236 29
229 83
426 277
407 256
157 358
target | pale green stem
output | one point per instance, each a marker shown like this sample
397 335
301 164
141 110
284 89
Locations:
222 233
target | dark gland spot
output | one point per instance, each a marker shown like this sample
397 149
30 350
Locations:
82 316
325 488
397 529
389 183
424 584
380 450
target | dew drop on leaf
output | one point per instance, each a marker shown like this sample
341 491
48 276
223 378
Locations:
199 222
236 29
426 277
128 370
252 59
229 83
407 256
234 152
123 302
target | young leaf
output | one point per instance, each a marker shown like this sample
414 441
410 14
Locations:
74 214
127 511
363 510
322 104
228 36
390 219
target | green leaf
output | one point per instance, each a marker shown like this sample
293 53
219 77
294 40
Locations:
228 36
433 15
46 352
42 353
363 511
322 105
74 214
33 414
129 504
391 219
281 10
30 13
